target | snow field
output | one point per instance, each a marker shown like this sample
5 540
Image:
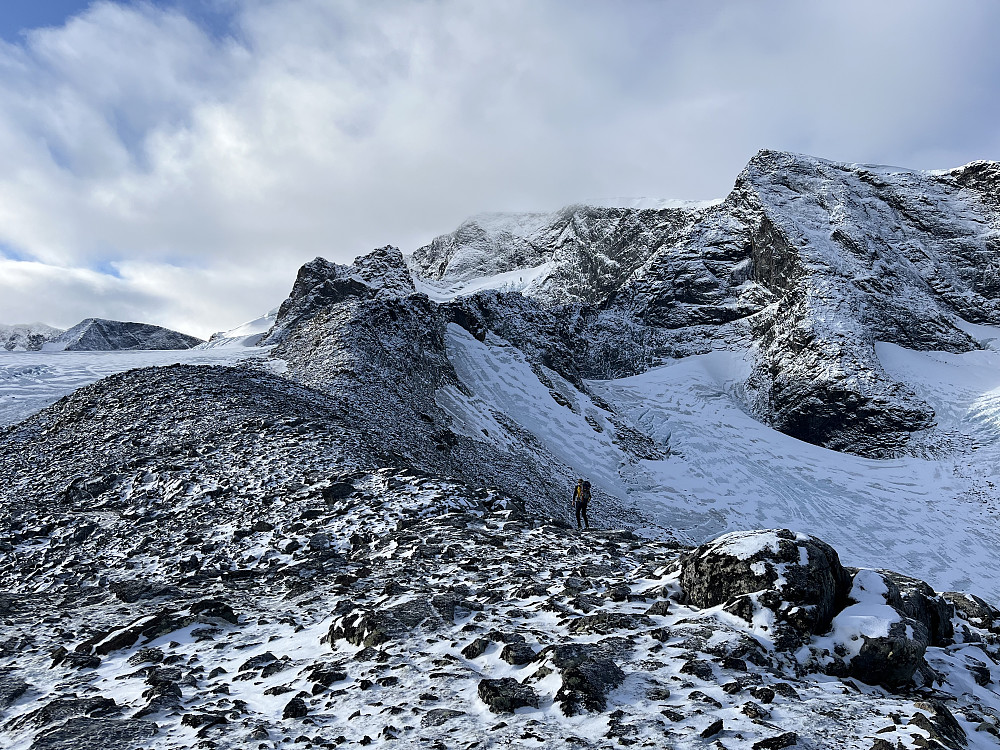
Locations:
934 517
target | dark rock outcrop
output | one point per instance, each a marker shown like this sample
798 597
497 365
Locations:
506 695
920 602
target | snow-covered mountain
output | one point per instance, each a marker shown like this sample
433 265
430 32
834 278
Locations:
368 541
26 336
810 261
97 334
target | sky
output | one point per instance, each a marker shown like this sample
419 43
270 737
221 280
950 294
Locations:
175 162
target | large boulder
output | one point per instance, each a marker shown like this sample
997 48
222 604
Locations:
506 695
589 673
786 585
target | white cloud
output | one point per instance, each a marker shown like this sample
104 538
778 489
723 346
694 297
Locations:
207 168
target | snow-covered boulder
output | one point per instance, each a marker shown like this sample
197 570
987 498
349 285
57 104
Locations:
795 596
786 585
871 639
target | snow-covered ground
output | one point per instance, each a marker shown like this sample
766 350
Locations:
30 381
247 334
935 518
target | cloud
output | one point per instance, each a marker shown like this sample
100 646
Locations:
203 166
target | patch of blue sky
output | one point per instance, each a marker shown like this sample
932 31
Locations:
9 252
106 267
20 16
17 17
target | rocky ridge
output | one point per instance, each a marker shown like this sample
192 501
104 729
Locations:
379 607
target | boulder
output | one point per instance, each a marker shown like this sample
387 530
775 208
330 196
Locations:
296 708
506 695
798 579
588 675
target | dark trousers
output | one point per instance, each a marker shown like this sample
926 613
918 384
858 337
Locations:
581 510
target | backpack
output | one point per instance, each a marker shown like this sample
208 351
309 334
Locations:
585 493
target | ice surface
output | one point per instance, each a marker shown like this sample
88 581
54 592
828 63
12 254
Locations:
935 518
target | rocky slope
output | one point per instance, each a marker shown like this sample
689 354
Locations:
234 583
97 334
26 336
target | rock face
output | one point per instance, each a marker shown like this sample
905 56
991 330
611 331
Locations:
364 336
98 335
581 254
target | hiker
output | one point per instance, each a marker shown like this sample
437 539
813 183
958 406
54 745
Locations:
581 499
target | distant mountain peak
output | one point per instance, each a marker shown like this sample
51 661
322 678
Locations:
99 334
26 336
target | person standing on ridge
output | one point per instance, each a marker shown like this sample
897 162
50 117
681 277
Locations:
581 499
